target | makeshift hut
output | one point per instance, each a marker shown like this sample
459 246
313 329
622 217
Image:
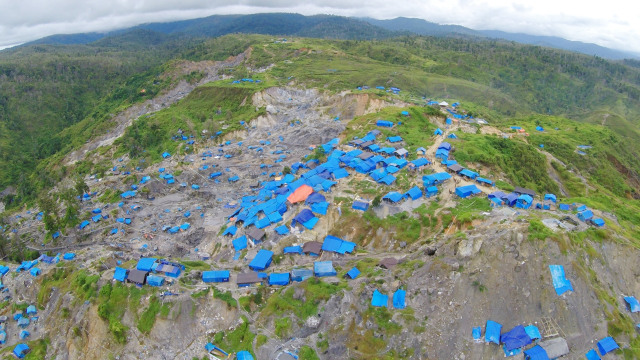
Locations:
262 260
247 279
215 276
312 248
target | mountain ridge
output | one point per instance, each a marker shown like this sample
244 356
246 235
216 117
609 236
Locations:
337 27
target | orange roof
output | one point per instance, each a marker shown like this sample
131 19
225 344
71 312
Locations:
301 194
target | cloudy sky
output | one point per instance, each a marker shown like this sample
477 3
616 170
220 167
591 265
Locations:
612 23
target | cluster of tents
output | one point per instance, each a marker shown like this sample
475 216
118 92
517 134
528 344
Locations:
148 271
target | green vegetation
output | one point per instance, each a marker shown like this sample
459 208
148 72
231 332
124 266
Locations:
241 338
381 316
538 231
261 340
282 327
38 349
307 353
225 296
148 317
113 305
83 285
315 291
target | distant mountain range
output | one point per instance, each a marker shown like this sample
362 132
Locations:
334 27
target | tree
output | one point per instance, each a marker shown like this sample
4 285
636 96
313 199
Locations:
80 186
50 209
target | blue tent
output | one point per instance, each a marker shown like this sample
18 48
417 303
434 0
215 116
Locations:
231 230
633 303
468 173
524 201
337 245
482 180
550 197
240 243
69 256
539 128
315 197
492 332
24 334
414 193
360 205
607 345
262 260
592 355
379 299
533 332
466 191
564 207
353 273
384 123
215 276
21 350
393 196
282 230
437 132
35 271
399 301
476 333
303 217
388 179
165 155
154 280
293 250
394 139
419 162
320 208
515 338
301 274
244 355
431 191
120 274
279 279
452 136
146 264
404 113
585 215
84 224
323 268
560 282
435 179
444 146
598 222
536 353
31 310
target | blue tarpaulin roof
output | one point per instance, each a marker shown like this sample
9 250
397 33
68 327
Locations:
301 274
607 345
492 332
414 193
244 355
466 191
444 146
533 332
262 260
598 222
592 355
320 208
337 245
560 282
315 197
420 162
293 250
536 353
633 303
434 179
360 205
282 230
388 179
215 276
353 273
145 264
550 197
393 196
399 301
476 333
120 274
468 173
394 139
279 279
585 215
240 243
231 230
154 280
515 338
324 268
437 132
379 299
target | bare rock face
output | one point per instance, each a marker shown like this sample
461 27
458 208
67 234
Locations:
469 247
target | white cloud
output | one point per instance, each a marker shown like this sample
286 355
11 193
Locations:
612 24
